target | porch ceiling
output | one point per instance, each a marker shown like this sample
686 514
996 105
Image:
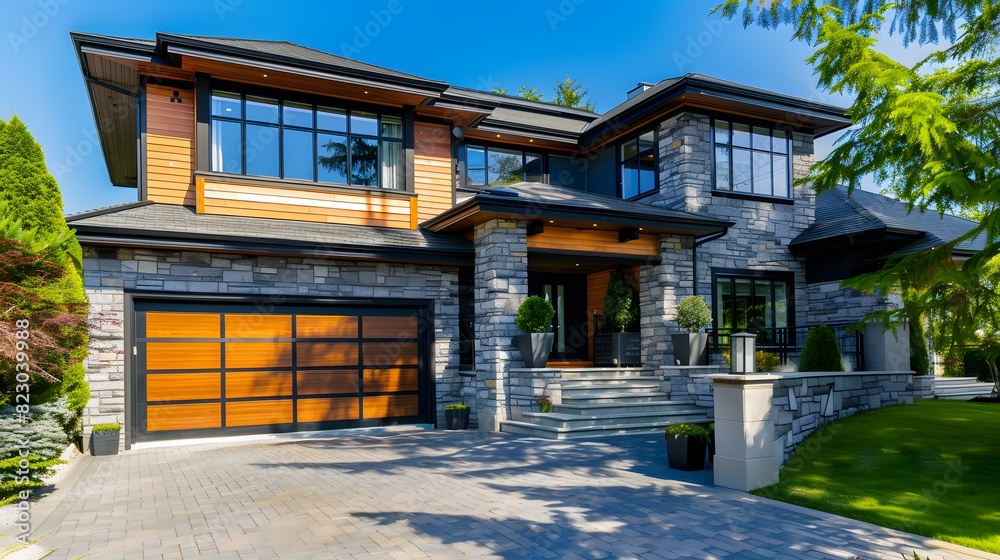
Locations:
566 263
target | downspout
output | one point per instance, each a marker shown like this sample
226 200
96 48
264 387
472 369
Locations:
694 251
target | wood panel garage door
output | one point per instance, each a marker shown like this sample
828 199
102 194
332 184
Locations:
204 370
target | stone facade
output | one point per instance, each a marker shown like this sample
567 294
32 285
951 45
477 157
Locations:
828 303
501 284
108 274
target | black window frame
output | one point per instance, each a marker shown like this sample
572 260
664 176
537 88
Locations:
487 146
772 128
315 102
754 276
620 162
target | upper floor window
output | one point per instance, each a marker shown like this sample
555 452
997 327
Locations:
488 165
269 137
751 159
638 164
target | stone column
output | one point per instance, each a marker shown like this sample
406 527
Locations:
745 456
887 349
661 288
501 284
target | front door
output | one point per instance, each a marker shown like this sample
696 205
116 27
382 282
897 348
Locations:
568 294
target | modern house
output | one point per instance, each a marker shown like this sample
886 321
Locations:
322 243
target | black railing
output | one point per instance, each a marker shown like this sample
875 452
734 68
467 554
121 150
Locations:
787 342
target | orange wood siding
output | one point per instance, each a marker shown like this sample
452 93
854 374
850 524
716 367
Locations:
596 241
170 146
183 416
432 169
364 208
391 406
597 288
326 410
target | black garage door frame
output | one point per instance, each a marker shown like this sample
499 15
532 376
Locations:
257 303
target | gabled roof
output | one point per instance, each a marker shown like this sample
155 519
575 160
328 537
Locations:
146 224
841 217
537 201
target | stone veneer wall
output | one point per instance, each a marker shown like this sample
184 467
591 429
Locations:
759 239
501 284
661 288
801 401
150 270
829 303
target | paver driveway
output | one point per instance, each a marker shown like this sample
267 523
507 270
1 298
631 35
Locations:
424 494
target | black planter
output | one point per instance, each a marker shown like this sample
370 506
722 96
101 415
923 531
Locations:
689 348
685 453
535 348
104 443
78 442
456 419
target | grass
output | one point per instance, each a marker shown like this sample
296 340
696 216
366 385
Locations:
932 468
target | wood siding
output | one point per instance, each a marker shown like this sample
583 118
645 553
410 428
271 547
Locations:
432 169
170 146
361 208
593 241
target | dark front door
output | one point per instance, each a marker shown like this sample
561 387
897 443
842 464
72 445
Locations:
568 294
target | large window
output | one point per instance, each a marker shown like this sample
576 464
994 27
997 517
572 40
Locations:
755 303
270 137
751 159
487 165
638 164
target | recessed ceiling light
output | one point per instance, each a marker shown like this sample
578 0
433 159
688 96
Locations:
366 93
640 229
595 225
552 221
530 140
577 264
498 136
265 75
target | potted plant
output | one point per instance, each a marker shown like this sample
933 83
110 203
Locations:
544 404
104 439
456 416
692 316
534 317
621 311
686 446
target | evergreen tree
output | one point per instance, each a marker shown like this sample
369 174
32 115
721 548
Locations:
40 276
569 94
930 133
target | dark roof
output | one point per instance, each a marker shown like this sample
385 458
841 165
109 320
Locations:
839 216
824 118
286 50
168 225
538 200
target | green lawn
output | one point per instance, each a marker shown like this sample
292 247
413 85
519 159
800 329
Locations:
932 468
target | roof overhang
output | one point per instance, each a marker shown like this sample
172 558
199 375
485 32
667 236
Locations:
487 205
698 92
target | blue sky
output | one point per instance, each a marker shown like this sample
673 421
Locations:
609 45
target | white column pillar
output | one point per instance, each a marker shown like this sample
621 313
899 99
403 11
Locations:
745 456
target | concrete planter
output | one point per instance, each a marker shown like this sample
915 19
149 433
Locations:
535 348
456 419
689 348
104 443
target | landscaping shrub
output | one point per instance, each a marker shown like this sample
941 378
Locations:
974 363
621 304
44 437
766 361
535 315
693 314
821 353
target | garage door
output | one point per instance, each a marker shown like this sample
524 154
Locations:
204 370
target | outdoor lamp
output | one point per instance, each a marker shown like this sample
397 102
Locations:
741 353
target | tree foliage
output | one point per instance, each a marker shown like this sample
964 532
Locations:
621 304
570 93
41 280
930 133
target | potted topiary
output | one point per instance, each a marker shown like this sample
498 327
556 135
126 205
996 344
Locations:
621 311
104 439
693 315
534 317
686 446
456 416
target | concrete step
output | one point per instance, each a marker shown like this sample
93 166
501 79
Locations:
556 419
550 432
603 388
610 409
606 373
586 381
615 397
953 380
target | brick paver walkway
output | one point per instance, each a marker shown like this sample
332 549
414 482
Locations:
435 495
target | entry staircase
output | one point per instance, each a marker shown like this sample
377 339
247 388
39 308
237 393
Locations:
961 388
606 402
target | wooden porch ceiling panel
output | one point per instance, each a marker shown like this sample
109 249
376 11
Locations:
306 84
593 241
